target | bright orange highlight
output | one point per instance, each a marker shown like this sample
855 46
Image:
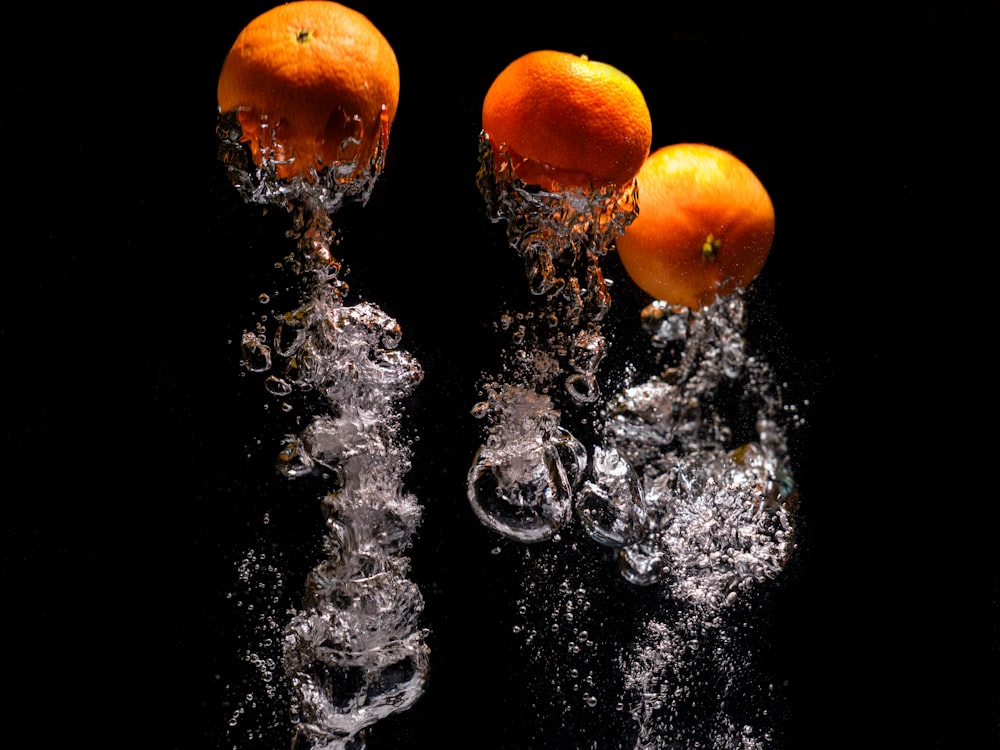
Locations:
705 225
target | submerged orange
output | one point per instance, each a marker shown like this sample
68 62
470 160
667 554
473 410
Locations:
705 225
567 120
312 80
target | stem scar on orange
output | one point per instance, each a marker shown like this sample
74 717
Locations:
705 225
564 120
313 83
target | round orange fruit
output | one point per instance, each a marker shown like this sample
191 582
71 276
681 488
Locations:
313 82
567 121
705 225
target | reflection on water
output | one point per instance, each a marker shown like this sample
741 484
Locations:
680 480
353 652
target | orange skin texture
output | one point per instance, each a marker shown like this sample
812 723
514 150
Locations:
568 120
705 226
317 72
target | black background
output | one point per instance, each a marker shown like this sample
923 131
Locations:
137 459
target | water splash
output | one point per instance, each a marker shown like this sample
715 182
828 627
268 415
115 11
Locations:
354 651
708 437
718 492
319 195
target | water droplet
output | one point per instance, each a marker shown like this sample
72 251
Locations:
256 354
582 387
610 503
277 386
522 494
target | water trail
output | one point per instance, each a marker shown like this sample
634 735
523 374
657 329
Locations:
681 481
708 437
354 651
524 475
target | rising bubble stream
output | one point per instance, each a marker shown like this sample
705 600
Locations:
354 651
524 475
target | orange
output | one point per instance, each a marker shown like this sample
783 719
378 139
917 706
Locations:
705 225
314 81
566 120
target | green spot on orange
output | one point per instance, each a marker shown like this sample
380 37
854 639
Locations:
710 249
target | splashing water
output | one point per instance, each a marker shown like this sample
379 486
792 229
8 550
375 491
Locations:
717 502
684 478
312 201
354 652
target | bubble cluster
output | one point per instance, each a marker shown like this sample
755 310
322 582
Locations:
353 652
